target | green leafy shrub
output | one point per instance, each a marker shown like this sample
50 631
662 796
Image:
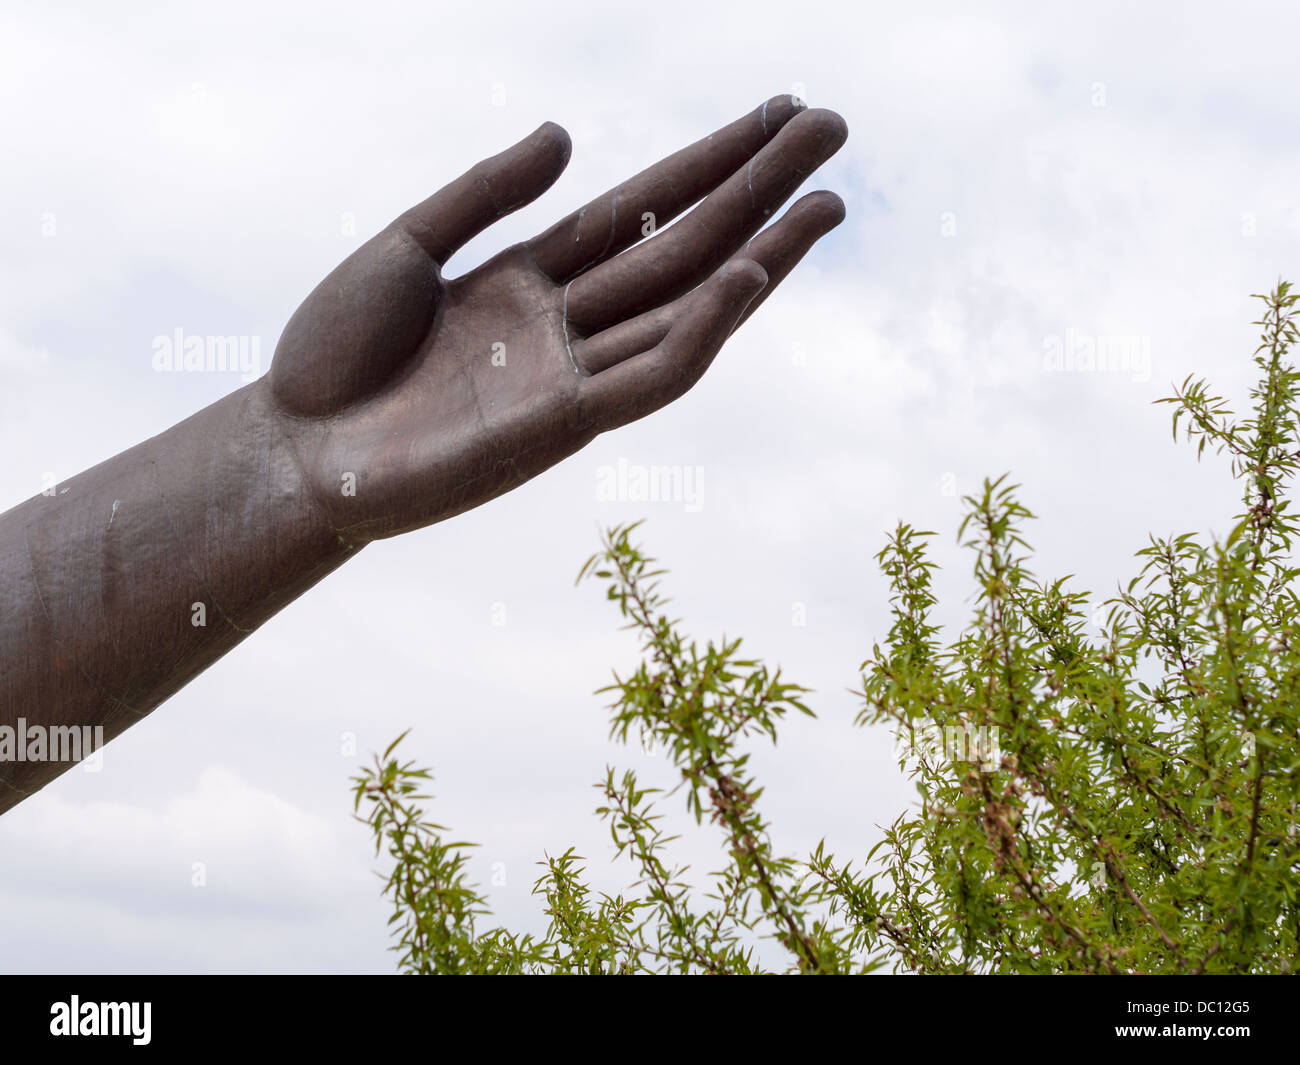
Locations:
1118 802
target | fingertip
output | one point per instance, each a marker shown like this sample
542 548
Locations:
778 110
829 125
812 137
825 208
743 275
555 139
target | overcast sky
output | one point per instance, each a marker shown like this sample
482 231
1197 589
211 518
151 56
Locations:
1018 182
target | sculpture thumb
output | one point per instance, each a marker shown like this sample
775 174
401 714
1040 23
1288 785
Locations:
488 191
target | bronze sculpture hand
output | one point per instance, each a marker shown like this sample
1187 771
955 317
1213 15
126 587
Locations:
439 395
396 398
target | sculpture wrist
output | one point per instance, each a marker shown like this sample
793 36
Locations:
131 578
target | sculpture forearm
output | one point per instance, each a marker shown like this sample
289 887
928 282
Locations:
136 575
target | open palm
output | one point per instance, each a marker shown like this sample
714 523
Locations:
408 397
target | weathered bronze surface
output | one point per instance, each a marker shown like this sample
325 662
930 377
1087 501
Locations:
397 398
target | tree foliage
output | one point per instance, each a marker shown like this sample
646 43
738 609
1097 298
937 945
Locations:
1108 792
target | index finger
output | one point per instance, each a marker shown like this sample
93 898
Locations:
614 222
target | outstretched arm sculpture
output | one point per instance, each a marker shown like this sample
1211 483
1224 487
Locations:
385 410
